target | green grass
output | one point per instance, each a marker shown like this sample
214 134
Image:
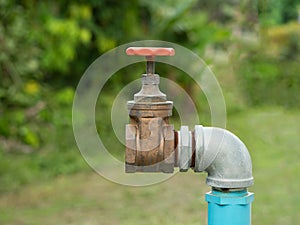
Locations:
272 138
271 135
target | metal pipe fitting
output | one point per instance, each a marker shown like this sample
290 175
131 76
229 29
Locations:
149 136
152 145
223 156
219 153
184 149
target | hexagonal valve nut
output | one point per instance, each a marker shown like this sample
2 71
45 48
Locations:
184 149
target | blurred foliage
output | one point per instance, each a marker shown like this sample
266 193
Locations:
45 46
269 71
274 12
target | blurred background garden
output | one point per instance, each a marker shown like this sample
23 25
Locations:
253 48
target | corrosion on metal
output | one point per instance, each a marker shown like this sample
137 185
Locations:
149 136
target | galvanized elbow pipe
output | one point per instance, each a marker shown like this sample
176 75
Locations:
223 156
218 152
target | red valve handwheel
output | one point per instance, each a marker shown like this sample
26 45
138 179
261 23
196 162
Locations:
150 51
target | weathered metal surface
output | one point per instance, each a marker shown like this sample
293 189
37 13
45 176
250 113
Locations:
216 151
224 157
184 149
151 110
150 90
199 148
150 145
153 140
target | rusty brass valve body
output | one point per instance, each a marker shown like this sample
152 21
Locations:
149 136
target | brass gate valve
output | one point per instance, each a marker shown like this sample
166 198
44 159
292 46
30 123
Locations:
149 136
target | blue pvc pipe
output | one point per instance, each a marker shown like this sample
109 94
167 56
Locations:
229 208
